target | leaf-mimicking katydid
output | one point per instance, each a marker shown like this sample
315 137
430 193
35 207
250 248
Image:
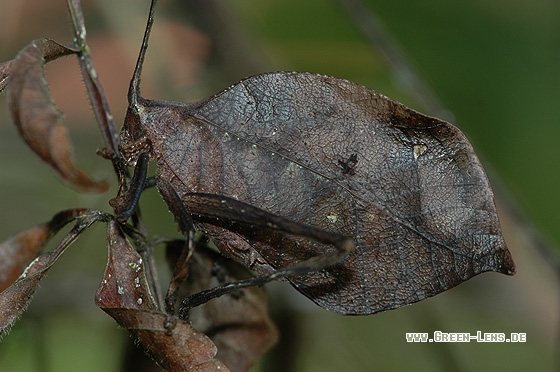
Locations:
373 205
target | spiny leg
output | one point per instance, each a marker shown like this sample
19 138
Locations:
126 201
235 211
316 263
186 226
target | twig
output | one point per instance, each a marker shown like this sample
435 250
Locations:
94 88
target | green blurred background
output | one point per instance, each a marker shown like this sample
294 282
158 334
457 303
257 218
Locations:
492 64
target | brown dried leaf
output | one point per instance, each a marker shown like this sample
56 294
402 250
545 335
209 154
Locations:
238 322
14 299
38 120
180 349
124 282
18 251
124 294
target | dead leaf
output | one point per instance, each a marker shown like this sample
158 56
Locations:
124 294
15 299
17 252
238 322
38 120
124 282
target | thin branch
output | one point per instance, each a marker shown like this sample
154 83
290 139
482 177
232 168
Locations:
95 90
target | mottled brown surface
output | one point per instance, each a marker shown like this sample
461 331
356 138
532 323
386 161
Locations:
335 155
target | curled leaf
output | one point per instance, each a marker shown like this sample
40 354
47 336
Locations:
238 323
18 251
124 294
124 282
15 298
38 120
181 348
